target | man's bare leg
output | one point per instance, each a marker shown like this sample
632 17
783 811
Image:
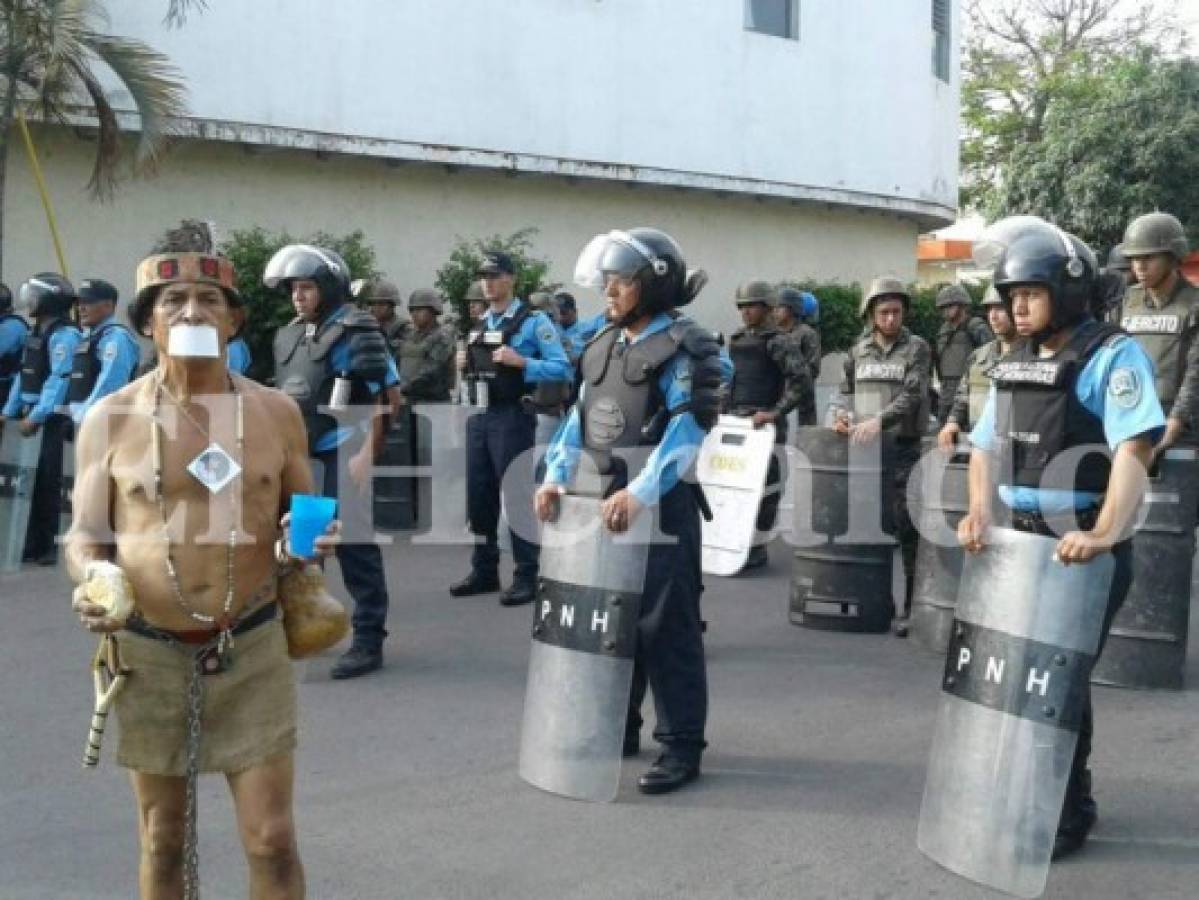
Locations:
262 797
161 804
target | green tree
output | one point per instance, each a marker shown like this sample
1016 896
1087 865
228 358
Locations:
267 310
1022 59
53 54
1100 165
462 268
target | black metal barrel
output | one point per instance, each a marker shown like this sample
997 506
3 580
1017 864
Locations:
843 587
395 497
1148 641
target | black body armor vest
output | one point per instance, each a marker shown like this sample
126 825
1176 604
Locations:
758 382
506 383
85 367
303 370
1039 416
35 361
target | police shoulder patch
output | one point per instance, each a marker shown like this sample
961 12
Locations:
545 334
110 352
1125 387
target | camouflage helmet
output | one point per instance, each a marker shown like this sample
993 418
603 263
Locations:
425 298
474 293
757 292
952 295
1155 232
991 297
1117 261
884 286
377 291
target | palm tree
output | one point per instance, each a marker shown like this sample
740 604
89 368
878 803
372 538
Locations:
48 55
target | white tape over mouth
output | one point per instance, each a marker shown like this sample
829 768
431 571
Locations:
193 341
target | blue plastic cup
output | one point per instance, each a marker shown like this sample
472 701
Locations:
310 516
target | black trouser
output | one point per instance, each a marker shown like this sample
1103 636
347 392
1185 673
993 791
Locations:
776 480
1078 790
360 560
494 438
46 502
670 646
907 454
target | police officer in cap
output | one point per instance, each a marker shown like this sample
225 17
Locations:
426 351
975 387
515 349
666 411
1074 387
886 378
793 316
959 336
1161 312
107 357
575 332
333 360
35 398
770 378
13 332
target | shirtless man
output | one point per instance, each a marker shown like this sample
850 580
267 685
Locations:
205 612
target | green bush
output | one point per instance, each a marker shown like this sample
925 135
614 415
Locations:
462 268
267 310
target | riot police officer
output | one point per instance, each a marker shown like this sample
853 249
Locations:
793 315
886 380
771 377
974 388
107 357
1161 312
959 336
37 394
1075 386
333 360
514 350
666 411
13 332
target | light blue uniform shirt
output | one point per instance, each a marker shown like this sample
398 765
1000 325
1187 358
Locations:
1130 411
63 342
575 338
675 452
237 356
119 355
339 361
537 341
13 331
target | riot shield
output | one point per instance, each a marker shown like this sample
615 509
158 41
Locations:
732 467
1023 643
581 662
18 472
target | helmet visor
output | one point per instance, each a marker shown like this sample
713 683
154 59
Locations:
998 236
300 261
615 253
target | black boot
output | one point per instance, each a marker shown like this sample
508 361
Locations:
359 660
476 583
668 773
758 557
1079 814
521 592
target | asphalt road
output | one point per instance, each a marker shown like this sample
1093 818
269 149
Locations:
407 784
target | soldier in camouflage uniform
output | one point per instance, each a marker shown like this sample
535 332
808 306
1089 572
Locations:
959 336
789 318
476 304
974 388
380 298
426 353
886 380
770 378
1162 315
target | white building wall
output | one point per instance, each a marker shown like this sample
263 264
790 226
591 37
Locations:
413 215
672 91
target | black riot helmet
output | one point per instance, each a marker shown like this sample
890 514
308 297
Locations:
47 294
647 255
1041 253
306 262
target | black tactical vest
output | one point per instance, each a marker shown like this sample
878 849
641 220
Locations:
506 384
35 361
758 382
1160 332
85 367
304 373
1039 416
